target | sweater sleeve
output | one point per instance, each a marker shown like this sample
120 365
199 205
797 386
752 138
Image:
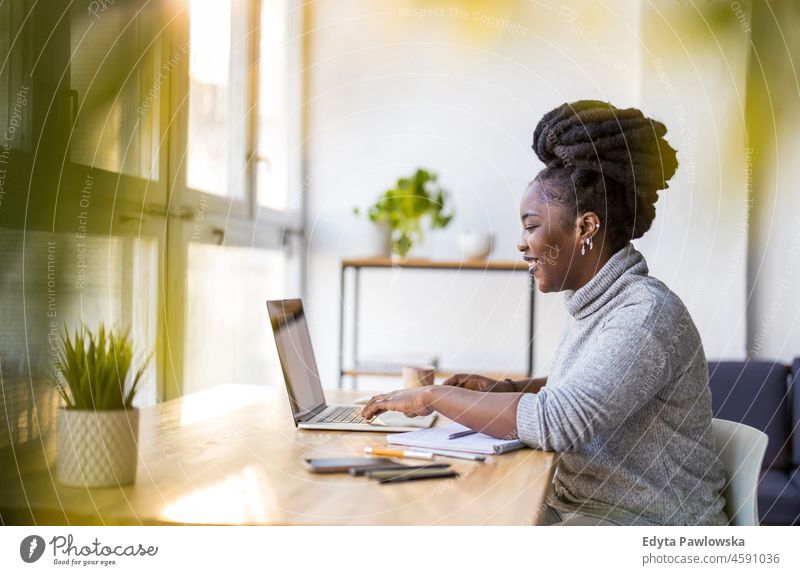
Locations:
615 375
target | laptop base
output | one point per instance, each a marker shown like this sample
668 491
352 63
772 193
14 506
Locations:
385 422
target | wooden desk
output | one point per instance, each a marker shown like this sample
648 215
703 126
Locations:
231 455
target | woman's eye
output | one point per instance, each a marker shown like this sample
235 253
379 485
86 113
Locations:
530 228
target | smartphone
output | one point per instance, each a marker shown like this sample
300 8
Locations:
345 464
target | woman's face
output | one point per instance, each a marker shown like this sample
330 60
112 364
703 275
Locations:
550 250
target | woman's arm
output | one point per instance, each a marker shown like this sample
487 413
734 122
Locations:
477 382
611 380
532 385
625 368
491 413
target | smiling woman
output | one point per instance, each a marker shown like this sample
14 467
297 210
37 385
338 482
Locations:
627 402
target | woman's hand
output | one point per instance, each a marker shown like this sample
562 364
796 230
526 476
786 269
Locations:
411 402
477 382
491 413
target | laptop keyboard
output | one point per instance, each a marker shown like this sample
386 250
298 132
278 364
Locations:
343 415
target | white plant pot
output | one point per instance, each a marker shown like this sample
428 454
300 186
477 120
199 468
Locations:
97 448
381 240
364 239
476 245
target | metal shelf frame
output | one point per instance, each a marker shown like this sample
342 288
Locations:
358 264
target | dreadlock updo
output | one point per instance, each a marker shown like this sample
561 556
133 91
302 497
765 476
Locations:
605 160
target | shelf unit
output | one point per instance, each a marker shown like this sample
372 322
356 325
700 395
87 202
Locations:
358 264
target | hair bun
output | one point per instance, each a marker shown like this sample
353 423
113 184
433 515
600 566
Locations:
620 144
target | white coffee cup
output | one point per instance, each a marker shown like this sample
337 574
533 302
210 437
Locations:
418 375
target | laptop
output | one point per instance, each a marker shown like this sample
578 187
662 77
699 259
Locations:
309 408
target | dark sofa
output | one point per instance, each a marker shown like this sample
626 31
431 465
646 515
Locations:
766 395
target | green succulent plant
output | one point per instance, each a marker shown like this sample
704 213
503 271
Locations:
95 368
404 206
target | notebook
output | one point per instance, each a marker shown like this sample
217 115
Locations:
436 438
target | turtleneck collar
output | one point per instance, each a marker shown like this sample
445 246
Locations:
606 283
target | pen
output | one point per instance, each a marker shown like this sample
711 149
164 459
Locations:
410 454
461 434
434 474
459 455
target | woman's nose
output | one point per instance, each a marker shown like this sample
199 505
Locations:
522 245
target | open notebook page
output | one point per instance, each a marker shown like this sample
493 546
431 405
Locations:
436 438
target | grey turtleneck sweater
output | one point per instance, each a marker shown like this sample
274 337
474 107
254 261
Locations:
627 405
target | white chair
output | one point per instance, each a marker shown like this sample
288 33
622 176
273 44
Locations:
741 449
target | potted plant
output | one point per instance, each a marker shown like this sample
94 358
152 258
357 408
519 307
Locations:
98 426
404 206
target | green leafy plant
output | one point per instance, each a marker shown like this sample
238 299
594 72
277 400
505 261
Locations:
95 369
404 206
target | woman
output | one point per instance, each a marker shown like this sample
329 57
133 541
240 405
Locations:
627 403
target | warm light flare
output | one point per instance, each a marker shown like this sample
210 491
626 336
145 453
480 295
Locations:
239 499
210 38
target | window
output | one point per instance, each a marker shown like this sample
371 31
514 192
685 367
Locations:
151 123
53 279
237 237
227 339
217 111
274 113
150 182
114 89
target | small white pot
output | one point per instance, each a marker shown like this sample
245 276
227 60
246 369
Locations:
97 448
364 239
381 240
476 245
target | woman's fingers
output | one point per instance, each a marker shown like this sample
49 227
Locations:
456 380
467 381
397 401
373 407
452 380
371 410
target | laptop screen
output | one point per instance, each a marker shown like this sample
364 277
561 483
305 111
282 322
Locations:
296 355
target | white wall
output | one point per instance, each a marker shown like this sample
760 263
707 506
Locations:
694 79
392 87
774 249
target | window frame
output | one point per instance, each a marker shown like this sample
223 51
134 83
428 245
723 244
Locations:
164 208
228 221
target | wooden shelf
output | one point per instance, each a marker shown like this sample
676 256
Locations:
420 263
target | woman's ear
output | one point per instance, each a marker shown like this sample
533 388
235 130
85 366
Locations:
589 225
